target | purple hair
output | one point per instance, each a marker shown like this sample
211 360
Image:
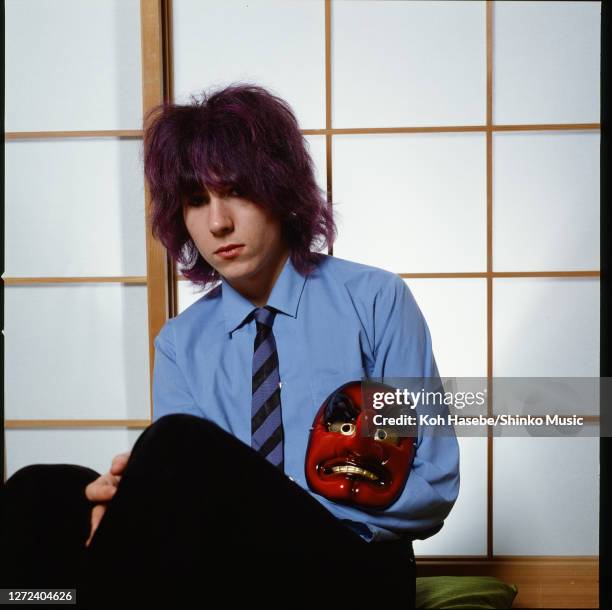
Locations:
240 137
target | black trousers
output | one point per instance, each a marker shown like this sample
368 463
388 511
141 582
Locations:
198 516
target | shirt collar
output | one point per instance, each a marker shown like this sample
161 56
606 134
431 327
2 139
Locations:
285 297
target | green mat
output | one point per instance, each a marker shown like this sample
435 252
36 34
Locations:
473 592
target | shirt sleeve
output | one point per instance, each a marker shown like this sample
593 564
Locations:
170 390
403 348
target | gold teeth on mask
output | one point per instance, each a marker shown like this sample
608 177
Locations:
355 470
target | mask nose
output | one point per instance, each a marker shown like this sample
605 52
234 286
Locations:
365 448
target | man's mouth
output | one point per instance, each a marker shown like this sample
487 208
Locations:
229 251
228 247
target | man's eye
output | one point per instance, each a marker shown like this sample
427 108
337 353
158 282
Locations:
197 200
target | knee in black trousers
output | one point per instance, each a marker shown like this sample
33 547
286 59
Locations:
44 522
273 528
226 492
197 507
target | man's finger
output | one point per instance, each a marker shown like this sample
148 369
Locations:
96 516
102 494
101 490
119 463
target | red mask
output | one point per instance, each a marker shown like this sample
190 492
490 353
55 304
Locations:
344 466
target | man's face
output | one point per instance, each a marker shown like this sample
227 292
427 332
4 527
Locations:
347 467
217 220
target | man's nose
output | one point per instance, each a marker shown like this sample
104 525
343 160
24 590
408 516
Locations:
219 218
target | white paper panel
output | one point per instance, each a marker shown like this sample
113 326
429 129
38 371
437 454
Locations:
546 327
546 201
318 153
188 294
546 58
546 496
408 63
316 148
91 447
465 529
456 313
73 65
76 351
411 202
279 44
74 208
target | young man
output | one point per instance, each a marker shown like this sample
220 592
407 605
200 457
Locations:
216 485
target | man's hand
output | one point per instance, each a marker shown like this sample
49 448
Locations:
102 490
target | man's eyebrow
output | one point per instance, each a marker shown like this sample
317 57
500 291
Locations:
225 188
195 190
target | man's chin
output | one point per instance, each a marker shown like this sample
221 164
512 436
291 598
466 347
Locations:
234 270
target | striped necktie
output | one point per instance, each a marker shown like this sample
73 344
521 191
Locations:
266 422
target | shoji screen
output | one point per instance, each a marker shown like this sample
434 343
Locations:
458 142
545 320
76 323
459 145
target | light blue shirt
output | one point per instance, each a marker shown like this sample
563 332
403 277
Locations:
342 322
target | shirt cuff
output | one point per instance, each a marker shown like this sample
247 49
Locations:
359 528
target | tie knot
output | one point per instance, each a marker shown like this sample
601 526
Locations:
264 315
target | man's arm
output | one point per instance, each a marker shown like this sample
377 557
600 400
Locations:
403 348
171 393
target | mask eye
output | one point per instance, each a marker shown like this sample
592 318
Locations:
341 409
341 415
342 427
386 436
